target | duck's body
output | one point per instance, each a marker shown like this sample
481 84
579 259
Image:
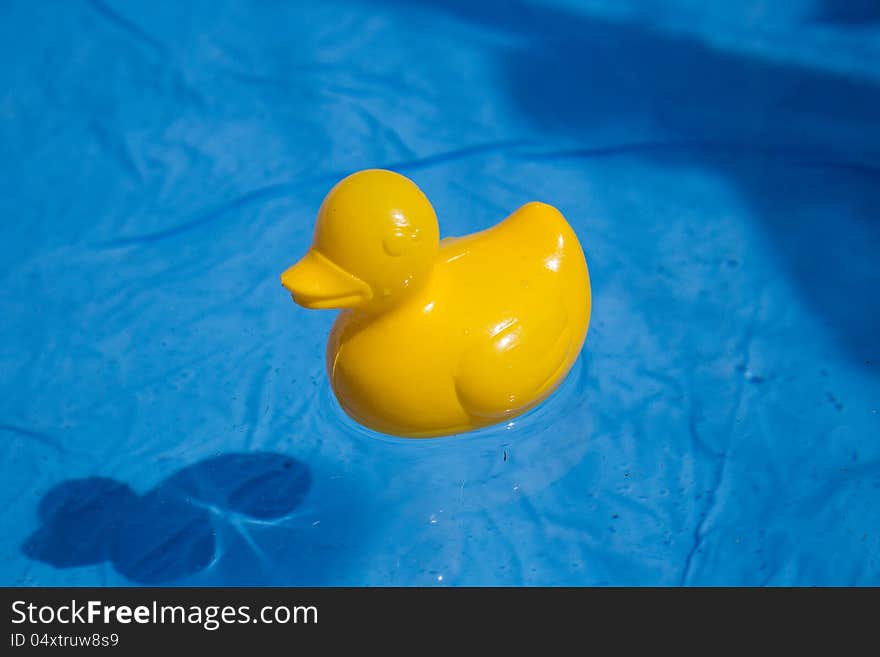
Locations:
490 332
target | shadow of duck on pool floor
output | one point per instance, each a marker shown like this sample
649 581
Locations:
170 532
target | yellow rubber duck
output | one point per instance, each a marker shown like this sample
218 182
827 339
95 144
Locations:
441 337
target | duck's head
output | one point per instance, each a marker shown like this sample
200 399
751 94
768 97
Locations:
376 238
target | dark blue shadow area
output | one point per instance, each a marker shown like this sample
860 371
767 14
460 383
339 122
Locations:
850 13
800 144
169 532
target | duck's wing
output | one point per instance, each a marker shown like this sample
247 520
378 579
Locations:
512 368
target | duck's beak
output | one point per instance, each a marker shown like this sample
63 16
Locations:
318 282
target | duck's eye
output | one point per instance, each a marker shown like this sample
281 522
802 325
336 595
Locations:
400 238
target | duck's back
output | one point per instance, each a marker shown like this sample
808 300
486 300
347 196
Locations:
531 258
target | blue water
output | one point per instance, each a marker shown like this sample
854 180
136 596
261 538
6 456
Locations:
165 416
